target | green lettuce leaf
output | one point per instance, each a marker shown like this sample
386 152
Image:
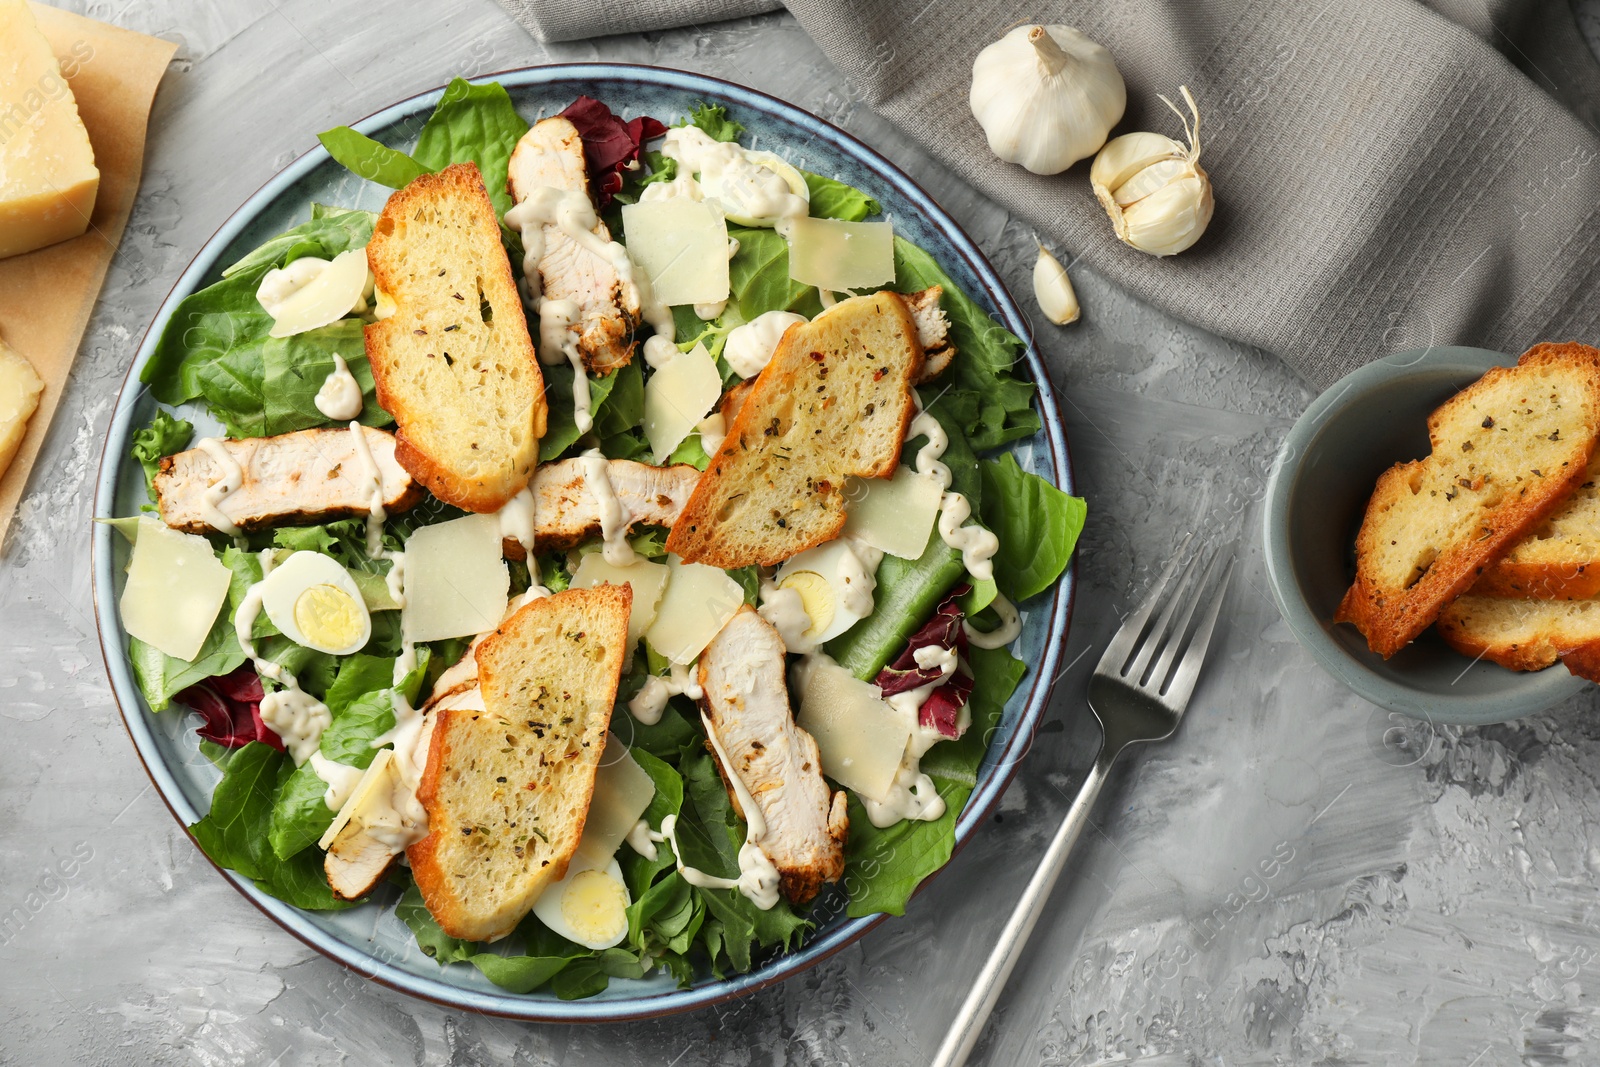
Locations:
235 832
1038 526
714 120
331 230
831 199
165 435
758 275
372 160
473 124
160 676
561 429
294 369
883 867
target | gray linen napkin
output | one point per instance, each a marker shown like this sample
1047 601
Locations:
1388 175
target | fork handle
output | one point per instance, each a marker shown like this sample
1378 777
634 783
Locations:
968 1024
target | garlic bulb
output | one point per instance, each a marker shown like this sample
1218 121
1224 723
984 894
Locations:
1053 289
1153 188
1046 96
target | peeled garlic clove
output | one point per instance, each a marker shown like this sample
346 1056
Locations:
1053 289
1158 198
1046 97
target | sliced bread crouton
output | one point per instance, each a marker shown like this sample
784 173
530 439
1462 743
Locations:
507 788
834 401
454 363
1560 558
1526 635
1506 452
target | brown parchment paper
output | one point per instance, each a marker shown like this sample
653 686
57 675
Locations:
46 296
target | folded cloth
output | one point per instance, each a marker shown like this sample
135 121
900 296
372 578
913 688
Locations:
1386 176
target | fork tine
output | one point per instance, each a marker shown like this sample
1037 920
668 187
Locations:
1182 687
1162 635
1122 642
1173 636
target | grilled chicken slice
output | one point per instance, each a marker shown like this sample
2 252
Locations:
747 703
551 154
567 512
933 330
303 477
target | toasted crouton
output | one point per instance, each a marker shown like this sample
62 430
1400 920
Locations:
454 364
1526 635
1507 451
834 401
507 788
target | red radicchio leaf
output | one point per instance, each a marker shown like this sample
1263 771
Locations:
231 705
609 144
943 630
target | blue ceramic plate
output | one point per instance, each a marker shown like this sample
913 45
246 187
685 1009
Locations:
1362 425
369 939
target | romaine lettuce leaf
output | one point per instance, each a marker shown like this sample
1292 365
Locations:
473 124
330 230
160 676
1038 526
831 199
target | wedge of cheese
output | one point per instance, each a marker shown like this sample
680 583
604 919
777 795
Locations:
48 178
19 396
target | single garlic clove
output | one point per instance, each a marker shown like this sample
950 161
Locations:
1152 179
1125 156
1053 289
1171 219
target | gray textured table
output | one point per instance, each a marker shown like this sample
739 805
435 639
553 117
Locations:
1284 882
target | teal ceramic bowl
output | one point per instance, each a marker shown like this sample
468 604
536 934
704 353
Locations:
1368 421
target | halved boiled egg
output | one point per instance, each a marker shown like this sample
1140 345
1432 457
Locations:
316 603
835 588
743 189
589 905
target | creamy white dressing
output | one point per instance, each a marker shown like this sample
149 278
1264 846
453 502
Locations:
713 431
758 878
827 298
341 779
683 185
749 347
558 341
648 704
219 490
517 519
785 609
707 312
858 570
571 211
280 283
614 518
976 544
735 177
376 513
643 840
913 795
340 395
1008 630
294 715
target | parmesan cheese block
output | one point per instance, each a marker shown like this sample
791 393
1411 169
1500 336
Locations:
836 255
457 583
677 397
859 738
19 396
894 515
700 599
176 586
646 579
48 178
682 247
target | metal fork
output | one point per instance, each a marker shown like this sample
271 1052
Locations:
1138 692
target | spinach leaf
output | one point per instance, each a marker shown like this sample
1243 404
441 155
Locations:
519 974
372 160
883 867
831 199
294 369
234 833
759 276
165 435
1038 526
473 124
623 407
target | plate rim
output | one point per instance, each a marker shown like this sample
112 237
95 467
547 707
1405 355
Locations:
1542 689
293 920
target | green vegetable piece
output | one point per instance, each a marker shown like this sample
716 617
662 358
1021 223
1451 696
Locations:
473 124
370 159
165 435
714 120
1038 526
908 591
831 199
